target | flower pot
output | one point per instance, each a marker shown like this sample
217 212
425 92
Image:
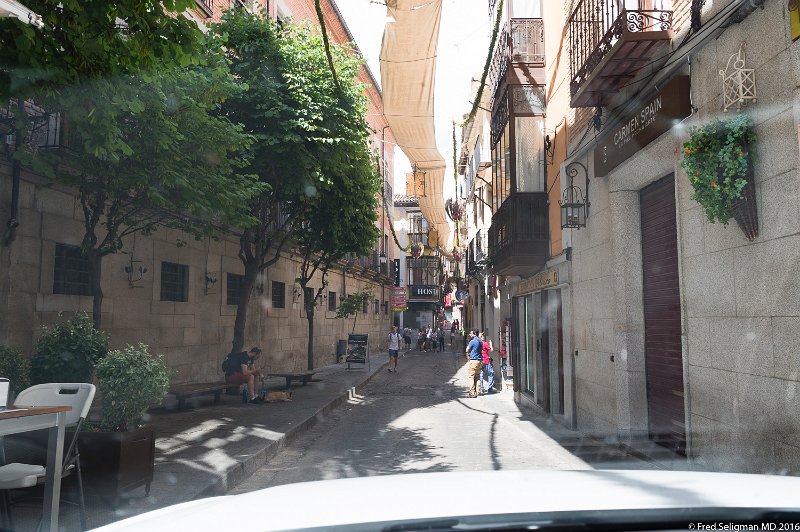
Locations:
744 209
114 463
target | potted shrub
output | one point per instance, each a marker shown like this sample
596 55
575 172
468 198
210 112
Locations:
16 368
118 453
68 352
718 159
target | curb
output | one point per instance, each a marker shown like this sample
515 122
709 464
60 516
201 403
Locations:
249 464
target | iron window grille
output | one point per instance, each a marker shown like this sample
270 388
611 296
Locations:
174 282
234 288
278 294
71 271
332 301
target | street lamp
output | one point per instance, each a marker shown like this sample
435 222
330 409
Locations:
574 205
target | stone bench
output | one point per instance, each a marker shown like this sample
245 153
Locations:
186 391
303 377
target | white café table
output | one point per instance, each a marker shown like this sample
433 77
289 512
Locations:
24 419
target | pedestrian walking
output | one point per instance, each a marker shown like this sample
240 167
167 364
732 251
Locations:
394 349
421 338
440 334
430 346
406 339
487 370
474 362
453 331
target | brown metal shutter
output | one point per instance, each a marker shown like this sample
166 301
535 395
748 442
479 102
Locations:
662 316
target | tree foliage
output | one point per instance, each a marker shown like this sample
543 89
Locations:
135 99
352 304
310 148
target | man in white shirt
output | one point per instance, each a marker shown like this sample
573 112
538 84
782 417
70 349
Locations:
394 349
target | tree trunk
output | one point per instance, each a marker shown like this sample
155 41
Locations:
310 318
354 323
245 292
95 274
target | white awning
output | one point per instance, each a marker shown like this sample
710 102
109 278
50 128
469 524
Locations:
408 68
10 8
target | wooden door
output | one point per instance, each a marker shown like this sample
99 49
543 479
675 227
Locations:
662 316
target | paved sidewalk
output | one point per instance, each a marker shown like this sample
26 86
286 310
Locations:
209 449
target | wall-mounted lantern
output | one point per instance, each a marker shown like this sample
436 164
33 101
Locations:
574 205
738 82
135 273
211 280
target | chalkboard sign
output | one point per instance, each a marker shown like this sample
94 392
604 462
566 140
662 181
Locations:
357 349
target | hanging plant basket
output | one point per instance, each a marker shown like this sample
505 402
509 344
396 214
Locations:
417 249
718 159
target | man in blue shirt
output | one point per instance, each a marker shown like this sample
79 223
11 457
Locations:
475 362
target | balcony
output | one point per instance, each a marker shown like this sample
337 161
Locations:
520 45
609 41
519 238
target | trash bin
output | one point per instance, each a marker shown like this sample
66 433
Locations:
341 350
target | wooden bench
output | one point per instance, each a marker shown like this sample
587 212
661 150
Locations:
185 391
304 377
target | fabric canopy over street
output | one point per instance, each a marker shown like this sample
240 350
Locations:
11 8
408 69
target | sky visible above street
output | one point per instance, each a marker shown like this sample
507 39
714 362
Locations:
463 44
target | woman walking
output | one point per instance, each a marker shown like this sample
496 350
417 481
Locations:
487 369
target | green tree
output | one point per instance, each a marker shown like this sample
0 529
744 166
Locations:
339 214
279 108
162 158
81 41
352 304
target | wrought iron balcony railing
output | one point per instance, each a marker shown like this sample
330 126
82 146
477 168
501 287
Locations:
527 40
499 65
595 26
520 41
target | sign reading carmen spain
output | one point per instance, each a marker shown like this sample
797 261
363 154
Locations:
651 120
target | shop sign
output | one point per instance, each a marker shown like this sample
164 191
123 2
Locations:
424 293
538 281
654 118
399 298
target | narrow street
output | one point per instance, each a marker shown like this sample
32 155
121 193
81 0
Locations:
419 420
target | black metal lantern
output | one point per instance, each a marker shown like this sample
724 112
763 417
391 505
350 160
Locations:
574 205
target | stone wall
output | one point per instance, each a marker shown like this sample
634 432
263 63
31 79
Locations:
194 335
742 299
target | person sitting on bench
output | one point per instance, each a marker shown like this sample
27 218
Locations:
239 370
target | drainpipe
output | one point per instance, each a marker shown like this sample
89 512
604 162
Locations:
13 221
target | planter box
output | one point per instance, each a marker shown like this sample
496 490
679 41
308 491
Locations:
114 463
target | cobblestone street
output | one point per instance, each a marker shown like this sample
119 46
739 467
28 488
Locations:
420 420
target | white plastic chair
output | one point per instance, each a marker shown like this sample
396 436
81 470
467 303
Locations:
77 395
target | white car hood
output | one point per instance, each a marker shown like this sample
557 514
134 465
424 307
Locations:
439 495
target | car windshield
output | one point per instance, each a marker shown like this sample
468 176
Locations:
251 244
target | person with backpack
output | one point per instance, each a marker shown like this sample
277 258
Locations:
394 349
238 368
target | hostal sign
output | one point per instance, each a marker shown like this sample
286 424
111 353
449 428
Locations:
424 293
654 118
